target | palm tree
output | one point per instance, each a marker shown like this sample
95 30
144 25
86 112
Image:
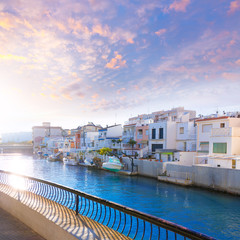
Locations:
132 143
120 141
113 141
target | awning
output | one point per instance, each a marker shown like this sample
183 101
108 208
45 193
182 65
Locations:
166 153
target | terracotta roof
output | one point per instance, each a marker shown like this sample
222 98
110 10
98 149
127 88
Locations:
133 124
210 119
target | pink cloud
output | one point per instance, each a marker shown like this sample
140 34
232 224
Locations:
194 78
116 62
161 31
231 76
238 62
180 5
119 91
101 30
116 35
234 6
77 26
95 96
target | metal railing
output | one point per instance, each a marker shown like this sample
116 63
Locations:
130 222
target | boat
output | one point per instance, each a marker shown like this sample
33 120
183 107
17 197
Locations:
113 164
54 157
70 161
88 162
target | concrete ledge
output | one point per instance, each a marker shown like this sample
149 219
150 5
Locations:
126 172
39 223
179 181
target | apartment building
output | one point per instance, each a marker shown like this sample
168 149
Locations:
218 141
44 131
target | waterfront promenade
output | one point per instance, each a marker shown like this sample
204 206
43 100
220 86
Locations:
212 213
13 229
48 218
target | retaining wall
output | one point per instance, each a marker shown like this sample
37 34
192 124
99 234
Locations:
145 167
222 179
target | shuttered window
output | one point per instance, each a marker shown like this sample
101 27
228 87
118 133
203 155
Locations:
160 133
206 128
153 133
219 147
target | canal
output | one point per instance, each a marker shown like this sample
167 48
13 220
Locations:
212 213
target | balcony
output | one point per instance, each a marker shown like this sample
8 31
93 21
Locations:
226 132
221 132
139 136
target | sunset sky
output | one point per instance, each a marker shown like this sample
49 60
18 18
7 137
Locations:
74 61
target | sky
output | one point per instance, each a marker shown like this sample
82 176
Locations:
69 62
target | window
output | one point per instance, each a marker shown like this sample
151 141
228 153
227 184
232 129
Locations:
219 147
181 130
160 133
204 146
156 146
222 125
153 133
139 133
206 128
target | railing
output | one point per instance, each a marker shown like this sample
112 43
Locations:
221 132
132 223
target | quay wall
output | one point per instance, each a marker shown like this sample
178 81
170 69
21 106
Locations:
144 167
220 179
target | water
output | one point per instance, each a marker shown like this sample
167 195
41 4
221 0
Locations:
211 213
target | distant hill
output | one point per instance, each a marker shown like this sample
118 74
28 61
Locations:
17 137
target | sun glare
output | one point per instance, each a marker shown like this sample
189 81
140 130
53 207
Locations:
17 182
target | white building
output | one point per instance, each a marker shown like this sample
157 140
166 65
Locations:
218 141
107 136
171 132
186 136
40 132
162 135
88 140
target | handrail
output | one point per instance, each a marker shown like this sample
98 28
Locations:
151 225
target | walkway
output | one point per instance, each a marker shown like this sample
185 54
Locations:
12 229
57 217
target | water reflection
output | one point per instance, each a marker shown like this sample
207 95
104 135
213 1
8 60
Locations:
208 212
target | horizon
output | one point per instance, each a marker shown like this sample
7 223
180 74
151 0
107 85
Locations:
116 123
75 62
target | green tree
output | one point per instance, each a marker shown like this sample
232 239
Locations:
113 141
105 151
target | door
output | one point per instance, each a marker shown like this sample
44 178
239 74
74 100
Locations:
233 163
